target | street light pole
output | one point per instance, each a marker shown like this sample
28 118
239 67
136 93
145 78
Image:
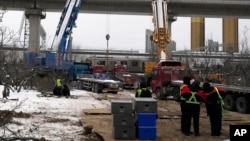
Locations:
107 51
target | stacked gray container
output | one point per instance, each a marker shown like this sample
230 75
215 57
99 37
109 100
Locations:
145 116
123 127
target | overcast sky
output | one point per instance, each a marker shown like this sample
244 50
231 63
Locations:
126 32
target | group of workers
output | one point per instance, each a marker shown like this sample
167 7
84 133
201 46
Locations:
61 89
191 97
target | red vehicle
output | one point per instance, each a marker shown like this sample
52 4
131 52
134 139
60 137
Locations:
121 73
98 69
165 72
163 76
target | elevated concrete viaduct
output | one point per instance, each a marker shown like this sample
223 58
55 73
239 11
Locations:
208 8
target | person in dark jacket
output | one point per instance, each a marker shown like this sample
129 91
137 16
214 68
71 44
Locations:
143 91
192 107
184 88
214 106
65 90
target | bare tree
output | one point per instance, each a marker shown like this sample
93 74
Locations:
7 36
13 74
244 66
245 50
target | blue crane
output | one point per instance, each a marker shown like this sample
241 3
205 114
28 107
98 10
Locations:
63 40
58 57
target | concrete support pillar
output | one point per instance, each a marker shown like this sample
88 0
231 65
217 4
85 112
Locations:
197 32
34 15
230 35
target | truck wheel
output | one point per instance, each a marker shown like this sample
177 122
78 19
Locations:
158 94
242 105
93 87
97 88
79 85
176 94
229 102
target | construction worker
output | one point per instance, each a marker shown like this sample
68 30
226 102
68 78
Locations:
65 90
143 91
58 88
214 106
184 88
192 108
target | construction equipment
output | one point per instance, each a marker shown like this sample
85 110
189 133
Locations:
58 58
166 70
161 35
98 81
128 79
215 78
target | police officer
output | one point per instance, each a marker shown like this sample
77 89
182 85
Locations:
184 88
192 107
214 106
143 91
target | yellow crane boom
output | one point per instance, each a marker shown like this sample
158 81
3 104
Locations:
161 33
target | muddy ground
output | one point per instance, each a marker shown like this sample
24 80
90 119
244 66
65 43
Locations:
168 122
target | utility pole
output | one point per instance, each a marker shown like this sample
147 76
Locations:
107 51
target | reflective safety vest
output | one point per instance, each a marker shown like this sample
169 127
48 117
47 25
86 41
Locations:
58 83
192 99
140 90
221 101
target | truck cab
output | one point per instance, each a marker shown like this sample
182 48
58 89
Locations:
162 77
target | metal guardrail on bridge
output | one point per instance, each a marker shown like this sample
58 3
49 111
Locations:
187 54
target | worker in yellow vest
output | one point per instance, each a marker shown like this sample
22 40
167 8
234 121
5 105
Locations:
58 88
143 91
192 107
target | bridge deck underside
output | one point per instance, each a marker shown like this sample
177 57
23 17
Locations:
207 8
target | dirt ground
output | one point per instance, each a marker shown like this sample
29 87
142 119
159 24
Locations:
168 122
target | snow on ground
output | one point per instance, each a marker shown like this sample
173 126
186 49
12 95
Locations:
53 118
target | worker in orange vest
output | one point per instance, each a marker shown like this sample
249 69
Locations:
215 107
184 88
